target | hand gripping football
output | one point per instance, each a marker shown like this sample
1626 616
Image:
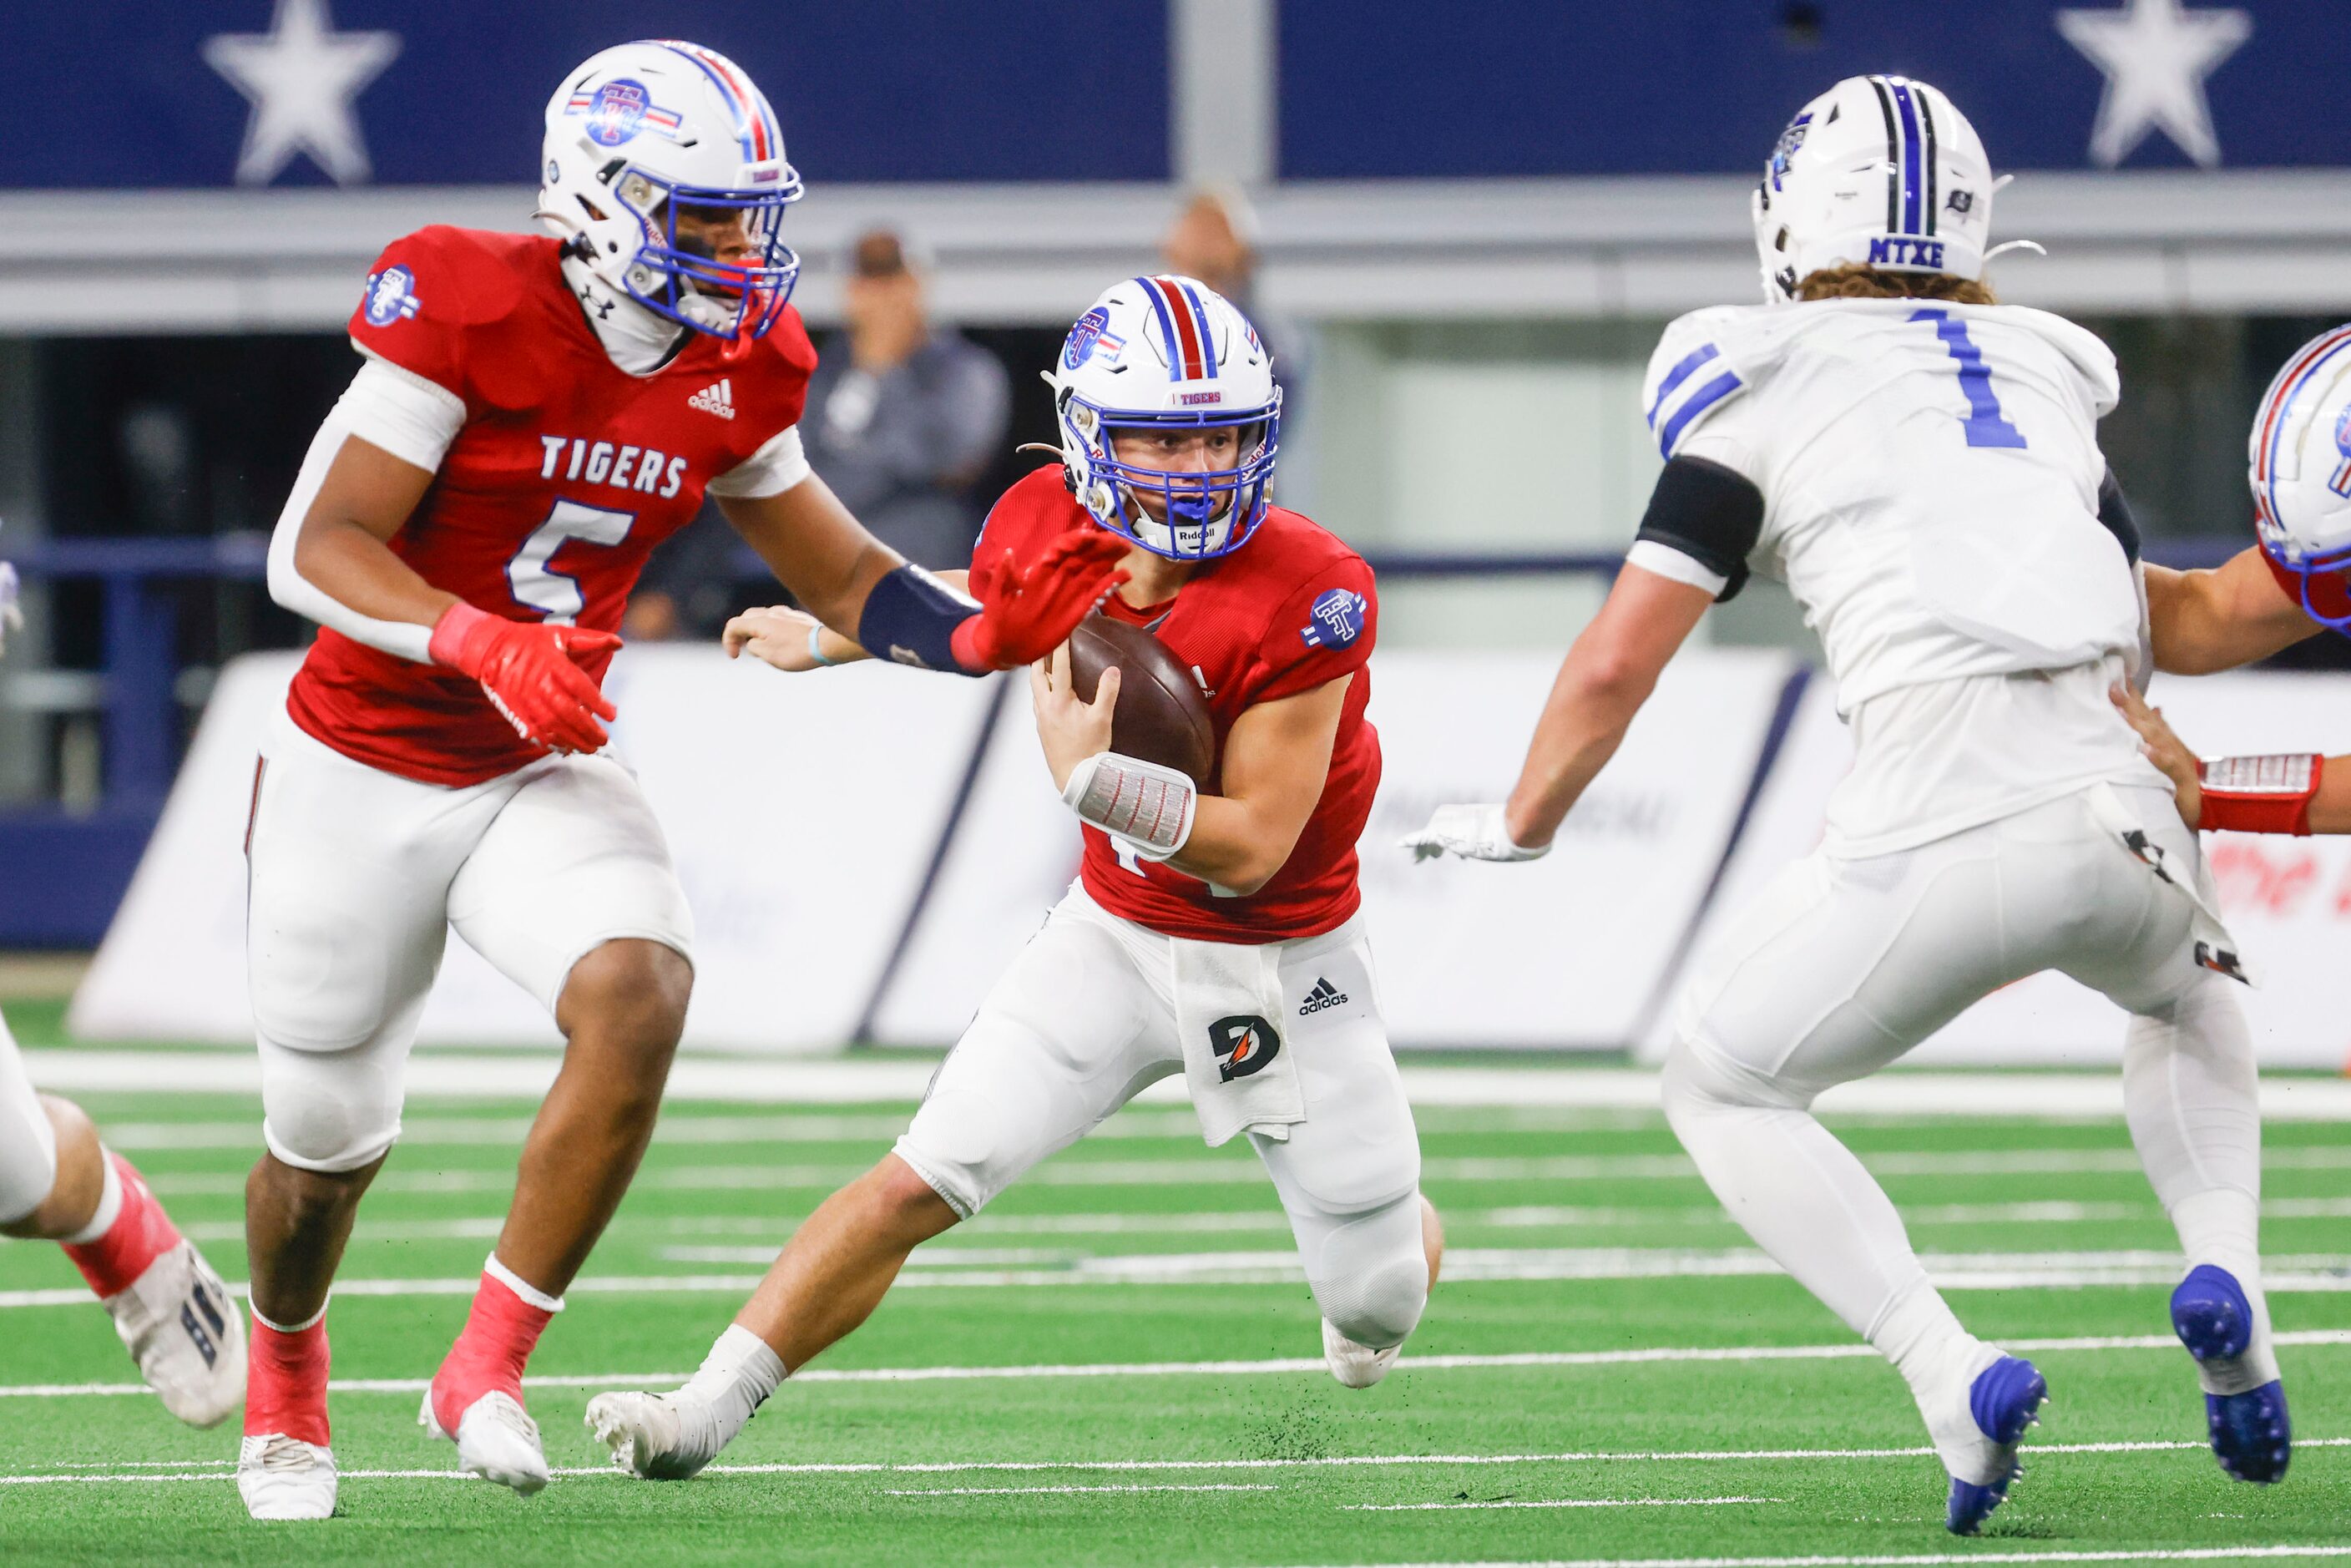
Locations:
1161 717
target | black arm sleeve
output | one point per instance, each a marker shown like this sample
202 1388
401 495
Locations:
2114 510
1711 514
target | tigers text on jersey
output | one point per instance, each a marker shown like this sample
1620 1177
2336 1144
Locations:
1930 477
1291 610
567 473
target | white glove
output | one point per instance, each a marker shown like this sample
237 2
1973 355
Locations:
10 617
1473 833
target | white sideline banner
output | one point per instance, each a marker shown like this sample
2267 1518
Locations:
802 813
2287 899
1572 950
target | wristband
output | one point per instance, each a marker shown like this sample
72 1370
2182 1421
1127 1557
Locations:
2259 794
458 626
1140 803
816 648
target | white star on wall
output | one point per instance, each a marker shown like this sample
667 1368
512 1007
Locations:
301 78
2156 58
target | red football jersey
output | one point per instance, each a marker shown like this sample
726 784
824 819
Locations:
1290 610
568 471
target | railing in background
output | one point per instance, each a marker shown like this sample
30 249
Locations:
65 870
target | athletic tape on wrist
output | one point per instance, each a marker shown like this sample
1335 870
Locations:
1141 803
2259 794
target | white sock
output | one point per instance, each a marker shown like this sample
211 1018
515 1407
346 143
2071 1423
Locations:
2222 1228
720 1400
1941 1361
109 1206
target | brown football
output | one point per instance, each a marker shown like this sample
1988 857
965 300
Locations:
1161 716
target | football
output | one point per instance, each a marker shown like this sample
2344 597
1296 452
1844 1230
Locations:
1162 718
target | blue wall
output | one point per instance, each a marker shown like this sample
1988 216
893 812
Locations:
1382 88
866 90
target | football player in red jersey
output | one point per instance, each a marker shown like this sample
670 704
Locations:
2288 586
1214 933
533 416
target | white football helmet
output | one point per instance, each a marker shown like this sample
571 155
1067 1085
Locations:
1880 170
2300 465
649 131
1160 354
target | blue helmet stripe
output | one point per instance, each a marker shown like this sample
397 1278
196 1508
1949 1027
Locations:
1166 328
726 93
1913 146
1208 338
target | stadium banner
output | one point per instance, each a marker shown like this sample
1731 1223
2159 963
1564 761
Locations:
812 819
2287 899
802 814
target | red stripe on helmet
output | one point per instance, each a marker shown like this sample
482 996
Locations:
2283 387
1179 310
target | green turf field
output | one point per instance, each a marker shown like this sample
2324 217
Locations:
974 1420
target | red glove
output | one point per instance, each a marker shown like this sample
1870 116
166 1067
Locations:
530 672
1026 612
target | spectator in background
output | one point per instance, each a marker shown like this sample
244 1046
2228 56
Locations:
904 416
1213 239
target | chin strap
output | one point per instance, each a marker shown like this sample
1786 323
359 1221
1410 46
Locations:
2259 794
1142 804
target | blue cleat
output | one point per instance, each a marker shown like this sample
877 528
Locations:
2251 1436
2004 1400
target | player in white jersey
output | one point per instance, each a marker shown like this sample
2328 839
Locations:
1920 465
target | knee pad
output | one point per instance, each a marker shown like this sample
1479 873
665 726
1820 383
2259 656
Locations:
329 1110
1369 1274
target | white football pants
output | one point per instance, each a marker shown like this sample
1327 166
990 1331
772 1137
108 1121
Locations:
1085 1019
29 1144
1843 966
355 877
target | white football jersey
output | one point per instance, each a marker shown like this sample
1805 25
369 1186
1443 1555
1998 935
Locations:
1930 477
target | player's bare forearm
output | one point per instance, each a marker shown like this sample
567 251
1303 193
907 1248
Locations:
344 547
1275 763
779 635
2235 613
1606 676
816 549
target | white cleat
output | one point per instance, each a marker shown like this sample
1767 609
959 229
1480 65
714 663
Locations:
286 1478
497 1440
649 1437
1355 1366
187 1335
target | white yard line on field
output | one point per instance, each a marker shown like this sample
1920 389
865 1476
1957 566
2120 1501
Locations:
1209 1170
2312 1338
1908 1560
2317 1273
1556 1502
1040 1491
1130 1467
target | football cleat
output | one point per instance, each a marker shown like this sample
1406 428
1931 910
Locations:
1355 1366
286 1478
187 1337
2252 1434
2004 1400
497 1440
654 1436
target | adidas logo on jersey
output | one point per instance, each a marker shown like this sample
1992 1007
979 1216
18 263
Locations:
717 398
1324 995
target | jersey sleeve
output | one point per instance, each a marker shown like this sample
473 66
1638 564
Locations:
1322 631
1697 394
413 311
771 471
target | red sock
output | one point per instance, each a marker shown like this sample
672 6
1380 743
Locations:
140 1233
500 1334
286 1382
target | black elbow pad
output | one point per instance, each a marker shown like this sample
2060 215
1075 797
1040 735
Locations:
1709 513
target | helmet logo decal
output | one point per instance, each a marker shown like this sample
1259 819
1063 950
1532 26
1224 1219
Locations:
2341 483
1090 332
391 297
619 110
1785 148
